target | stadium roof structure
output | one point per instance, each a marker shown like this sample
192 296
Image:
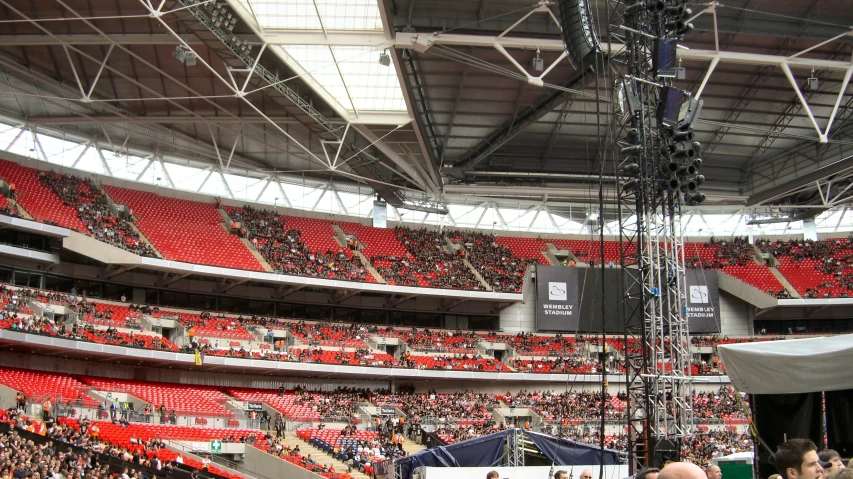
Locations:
425 104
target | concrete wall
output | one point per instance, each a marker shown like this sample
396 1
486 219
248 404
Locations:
103 252
521 316
260 464
736 316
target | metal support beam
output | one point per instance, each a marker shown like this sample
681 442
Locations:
841 167
507 131
120 270
394 302
168 281
231 285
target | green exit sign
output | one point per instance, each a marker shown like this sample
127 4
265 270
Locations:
215 446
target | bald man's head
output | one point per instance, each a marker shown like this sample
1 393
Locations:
714 472
682 470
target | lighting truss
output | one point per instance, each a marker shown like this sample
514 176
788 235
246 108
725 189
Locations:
650 235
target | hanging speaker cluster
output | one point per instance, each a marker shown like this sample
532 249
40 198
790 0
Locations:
673 14
681 163
579 34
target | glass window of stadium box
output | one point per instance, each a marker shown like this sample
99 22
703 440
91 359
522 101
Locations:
27 278
317 312
24 240
58 283
265 308
115 291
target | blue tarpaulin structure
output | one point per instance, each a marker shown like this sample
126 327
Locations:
487 451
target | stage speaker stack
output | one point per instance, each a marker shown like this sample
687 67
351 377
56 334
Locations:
580 35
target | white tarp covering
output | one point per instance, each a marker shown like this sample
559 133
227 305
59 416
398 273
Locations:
790 366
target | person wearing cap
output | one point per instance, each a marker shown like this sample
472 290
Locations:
830 461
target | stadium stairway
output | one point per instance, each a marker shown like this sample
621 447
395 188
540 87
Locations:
227 220
550 255
318 455
782 279
554 249
21 209
477 275
412 447
341 239
142 237
257 255
453 249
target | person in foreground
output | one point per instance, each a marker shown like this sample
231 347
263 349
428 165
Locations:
798 459
681 470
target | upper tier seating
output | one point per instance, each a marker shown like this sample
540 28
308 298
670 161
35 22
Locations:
300 246
454 363
427 264
38 385
183 399
39 201
376 241
495 262
205 324
361 357
734 257
525 248
589 251
816 269
94 210
307 406
317 234
329 334
184 230
8 209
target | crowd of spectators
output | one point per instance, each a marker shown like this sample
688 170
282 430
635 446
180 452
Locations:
831 257
330 334
426 264
734 252
341 403
495 263
94 210
451 433
286 253
570 404
561 365
453 342
10 210
85 332
468 405
23 458
72 449
700 448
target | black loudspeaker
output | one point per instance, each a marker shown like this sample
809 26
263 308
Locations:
839 421
669 106
665 450
664 61
579 34
781 416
